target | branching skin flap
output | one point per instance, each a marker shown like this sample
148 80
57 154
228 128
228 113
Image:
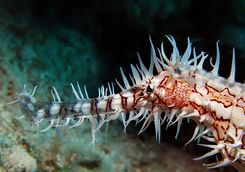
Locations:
180 89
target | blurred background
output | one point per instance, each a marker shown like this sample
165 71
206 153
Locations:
58 42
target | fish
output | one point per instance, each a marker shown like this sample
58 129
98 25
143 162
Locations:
170 90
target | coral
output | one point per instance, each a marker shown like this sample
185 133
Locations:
18 159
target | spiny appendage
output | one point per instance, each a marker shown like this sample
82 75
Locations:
98 110
221 112
61 113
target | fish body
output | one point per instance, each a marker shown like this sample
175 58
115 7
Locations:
170 90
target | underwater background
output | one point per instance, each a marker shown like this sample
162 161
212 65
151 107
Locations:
58 42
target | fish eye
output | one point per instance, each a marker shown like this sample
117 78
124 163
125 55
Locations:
149 89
